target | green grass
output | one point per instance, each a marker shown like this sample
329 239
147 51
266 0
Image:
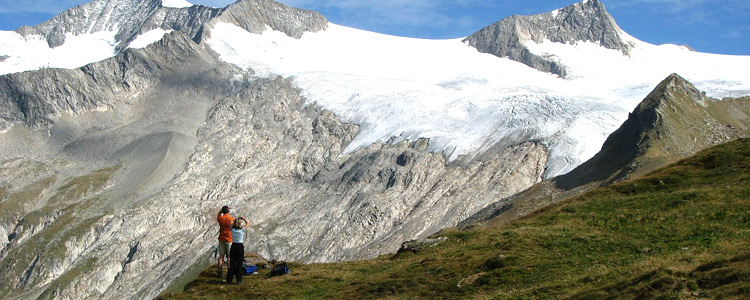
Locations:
78 188
682 232
15 204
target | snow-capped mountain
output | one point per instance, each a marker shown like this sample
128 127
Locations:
465 104
97 30
127 124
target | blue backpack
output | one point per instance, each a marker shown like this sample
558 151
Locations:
249 268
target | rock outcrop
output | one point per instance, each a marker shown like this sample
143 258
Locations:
580 22
89 164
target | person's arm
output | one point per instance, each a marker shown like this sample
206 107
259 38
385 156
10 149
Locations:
217 216
247 223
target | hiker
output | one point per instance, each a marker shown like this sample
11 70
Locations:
225 235
237 252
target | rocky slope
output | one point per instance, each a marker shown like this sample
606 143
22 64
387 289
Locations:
261 151
580 22
674 121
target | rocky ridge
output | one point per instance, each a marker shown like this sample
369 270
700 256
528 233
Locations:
131 18
580 22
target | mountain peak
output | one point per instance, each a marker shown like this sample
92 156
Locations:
674 121
673 90
586 21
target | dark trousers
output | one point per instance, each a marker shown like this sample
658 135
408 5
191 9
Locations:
236 258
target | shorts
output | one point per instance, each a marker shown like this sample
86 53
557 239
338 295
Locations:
224 248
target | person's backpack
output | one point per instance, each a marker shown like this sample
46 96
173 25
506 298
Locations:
279 269
249 268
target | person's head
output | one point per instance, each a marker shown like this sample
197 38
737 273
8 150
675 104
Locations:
237 224
225 209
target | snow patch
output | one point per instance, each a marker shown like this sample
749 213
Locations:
148 38
175 3
33 52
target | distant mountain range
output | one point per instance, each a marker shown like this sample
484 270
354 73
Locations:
126 125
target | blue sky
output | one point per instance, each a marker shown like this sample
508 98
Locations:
705 25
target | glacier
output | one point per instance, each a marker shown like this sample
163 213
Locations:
466 101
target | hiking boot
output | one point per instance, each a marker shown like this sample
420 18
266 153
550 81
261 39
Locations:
219 272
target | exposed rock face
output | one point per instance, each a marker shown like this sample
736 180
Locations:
580 22
674 121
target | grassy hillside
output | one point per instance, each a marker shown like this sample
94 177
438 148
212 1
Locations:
682 232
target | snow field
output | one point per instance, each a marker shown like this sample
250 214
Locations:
32 52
